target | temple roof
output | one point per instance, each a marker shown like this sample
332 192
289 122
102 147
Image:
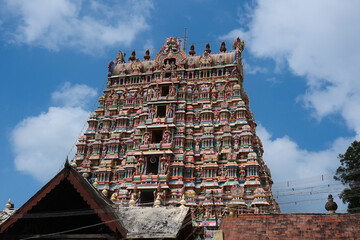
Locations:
170 53
68 183
79 201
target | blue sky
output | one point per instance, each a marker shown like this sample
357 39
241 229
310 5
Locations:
302 62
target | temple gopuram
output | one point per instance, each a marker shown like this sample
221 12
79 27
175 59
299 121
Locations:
177 130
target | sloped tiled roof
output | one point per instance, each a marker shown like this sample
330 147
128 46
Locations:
100 204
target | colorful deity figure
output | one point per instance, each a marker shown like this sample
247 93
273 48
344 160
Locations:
232 155
157 91
166 135
140 165
197 118
234 71
134 196
122 95
123 148
164 164
242 174
113 124
115 98
196 93
152 112
229 91
167 65
104 150
197 145
150 93
139 93
172 90
89 151
214 96
221 171
146 137
236 143
218 144
170 111
120 58
216 116
213 87
159 194
189 90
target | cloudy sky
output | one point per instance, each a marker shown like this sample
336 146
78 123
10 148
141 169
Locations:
302 63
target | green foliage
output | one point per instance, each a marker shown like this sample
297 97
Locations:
349 174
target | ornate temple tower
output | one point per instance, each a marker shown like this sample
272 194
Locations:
178 130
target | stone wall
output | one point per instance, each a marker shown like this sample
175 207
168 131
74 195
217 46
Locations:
292 226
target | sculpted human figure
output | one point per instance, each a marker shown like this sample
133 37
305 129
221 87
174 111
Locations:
196 94
172 91
149 93
146 138
197 118
222 171
166 136
164 164
242 173
135 195
216 116
159 194
140 165
218 145
167 66
236 144
104 150
197 144
170 111
157 91
152 112
89 151
123 148
123 95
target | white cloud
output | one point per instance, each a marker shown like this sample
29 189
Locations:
284 153
318 40
272 80
86 25
251 69
149 45
40 143
288 162
72 96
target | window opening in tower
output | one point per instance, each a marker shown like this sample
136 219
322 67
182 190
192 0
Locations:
152 165
156 136
161 111
164 91
147 197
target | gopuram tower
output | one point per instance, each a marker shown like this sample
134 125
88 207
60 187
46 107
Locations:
177 130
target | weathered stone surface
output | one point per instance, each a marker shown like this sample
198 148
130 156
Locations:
161 222
292 226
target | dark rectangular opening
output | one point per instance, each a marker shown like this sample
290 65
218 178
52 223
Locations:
152 165
147 198
164 91
168 74
161 111
156 136
172 61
